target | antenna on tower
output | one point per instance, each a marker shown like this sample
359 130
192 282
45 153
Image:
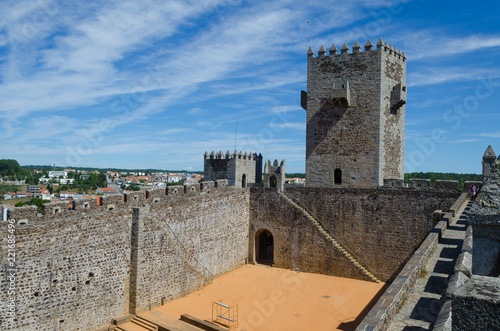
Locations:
308 41
236 134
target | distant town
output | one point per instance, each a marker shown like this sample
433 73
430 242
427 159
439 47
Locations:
21 185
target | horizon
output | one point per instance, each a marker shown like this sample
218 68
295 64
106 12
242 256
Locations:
129 85
194 171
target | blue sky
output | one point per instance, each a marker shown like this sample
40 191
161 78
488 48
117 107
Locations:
155 84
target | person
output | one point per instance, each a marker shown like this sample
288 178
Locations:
473 191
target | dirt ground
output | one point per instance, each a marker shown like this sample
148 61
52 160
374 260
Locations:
278 299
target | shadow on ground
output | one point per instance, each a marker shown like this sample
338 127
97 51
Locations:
352 325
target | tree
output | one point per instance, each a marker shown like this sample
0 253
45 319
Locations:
33 202
9 167
134 187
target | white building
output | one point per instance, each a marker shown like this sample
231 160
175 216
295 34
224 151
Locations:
174 178
57 174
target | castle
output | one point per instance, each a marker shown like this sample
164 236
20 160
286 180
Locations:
80 265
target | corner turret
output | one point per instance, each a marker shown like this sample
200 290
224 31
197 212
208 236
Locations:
489 157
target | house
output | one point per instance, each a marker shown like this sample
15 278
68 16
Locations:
9 195
66 181
45 194
67 195
105 190
24 195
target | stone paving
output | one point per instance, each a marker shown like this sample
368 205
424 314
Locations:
423 304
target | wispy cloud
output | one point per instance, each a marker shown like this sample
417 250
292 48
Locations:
461 141
440 75
490 135
294 126
446 46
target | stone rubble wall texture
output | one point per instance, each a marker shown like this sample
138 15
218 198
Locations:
419 184
447 185
476 305
365 140
383 227
73 266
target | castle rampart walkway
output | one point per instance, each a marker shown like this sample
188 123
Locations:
425 300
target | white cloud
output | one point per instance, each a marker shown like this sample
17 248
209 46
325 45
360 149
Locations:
431 46
440 75
173 131
295 126
461 141
490 135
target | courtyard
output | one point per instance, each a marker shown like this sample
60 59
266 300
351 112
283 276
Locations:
278 299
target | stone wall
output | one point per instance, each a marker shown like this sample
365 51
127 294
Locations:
476 305
72 269
447 185
188 242
383 227
78 269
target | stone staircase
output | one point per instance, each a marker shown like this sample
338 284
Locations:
329 235
137 324
156 320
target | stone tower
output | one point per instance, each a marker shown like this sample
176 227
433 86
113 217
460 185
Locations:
355 103
274 174
240 169
489 157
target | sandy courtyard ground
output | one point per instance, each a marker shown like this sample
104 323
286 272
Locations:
278 299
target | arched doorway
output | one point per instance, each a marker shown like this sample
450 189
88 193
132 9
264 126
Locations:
264 247
273 182
244 180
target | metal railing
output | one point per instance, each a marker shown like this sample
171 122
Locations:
298 203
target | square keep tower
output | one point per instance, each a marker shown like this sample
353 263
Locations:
355 105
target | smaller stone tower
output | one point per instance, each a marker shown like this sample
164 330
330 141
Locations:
240 169
489 157
274 175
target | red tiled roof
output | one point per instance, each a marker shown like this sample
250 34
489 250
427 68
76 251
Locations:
107 189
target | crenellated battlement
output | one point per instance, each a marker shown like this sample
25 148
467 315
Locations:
228 156
61 210
334 54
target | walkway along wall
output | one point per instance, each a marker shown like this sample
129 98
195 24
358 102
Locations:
383 227
78 269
